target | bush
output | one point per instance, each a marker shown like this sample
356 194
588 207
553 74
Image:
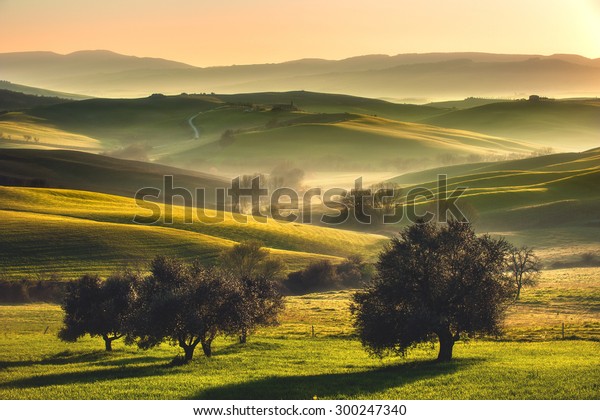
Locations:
322 276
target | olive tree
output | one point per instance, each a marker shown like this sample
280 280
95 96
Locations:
432 281
256 275
183 304
96 307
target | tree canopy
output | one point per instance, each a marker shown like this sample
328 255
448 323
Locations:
96 307
256 275
184 304
433 280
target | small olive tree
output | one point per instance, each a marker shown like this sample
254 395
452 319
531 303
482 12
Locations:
524 267
256 275
433 281
97 308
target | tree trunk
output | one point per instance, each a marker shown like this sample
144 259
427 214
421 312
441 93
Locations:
446 344
206 348
107 343
518 291
188 352
243 336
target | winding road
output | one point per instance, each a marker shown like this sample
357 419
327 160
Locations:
191 123
191 120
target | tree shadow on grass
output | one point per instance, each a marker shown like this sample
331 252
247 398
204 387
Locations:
101 358
88 376
249 346
336 385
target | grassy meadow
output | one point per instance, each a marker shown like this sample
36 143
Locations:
531 361
73 232
15 125
549 202
547 122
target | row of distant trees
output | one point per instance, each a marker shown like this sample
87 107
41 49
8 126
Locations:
432 282
185 304
25 137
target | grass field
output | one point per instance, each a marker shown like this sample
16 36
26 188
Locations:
15 125
338 142
327 132
97 173
71 232
286 362
549 201
563 124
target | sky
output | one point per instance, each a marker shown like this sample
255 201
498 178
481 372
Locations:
225 32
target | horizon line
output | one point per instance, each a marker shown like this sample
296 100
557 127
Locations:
99 50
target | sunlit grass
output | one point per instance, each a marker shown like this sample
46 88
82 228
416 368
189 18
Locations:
289 362
72 232
16 125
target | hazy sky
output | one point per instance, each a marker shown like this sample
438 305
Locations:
216 32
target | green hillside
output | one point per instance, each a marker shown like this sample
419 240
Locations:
562 124
564 161
10 100
551 202
156 120
334 103
90 172
465 103
18 130
70 232
347 142
252 132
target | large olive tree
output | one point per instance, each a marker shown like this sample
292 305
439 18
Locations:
433 280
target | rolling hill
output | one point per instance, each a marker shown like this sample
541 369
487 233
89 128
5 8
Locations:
70 232
551 202
347 142
255 132
12 101
465 103
335 103
563 124
29 90
96 173
18 130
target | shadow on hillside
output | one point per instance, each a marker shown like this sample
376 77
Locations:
338 385
101 358
89 376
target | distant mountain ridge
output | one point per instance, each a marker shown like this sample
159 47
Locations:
29 90
429 75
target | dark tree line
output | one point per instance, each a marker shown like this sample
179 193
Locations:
323 275
432 282
184 304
